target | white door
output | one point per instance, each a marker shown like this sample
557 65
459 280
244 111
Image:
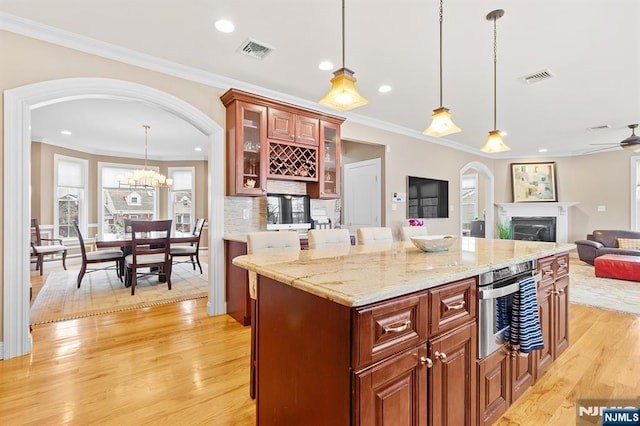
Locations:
361 196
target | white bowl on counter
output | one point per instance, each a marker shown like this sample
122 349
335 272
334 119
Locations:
433 243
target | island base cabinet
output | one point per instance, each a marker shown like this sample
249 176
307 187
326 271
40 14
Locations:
303 357
393 392
553 307
452 380
494 390
502 379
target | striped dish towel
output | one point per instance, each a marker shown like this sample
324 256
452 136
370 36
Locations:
525 334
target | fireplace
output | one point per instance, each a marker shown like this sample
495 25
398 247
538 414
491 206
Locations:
560 211
534 228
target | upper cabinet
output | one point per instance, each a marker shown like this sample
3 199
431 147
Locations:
270 139
328 184
291 127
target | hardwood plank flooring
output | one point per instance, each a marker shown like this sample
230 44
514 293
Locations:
173 364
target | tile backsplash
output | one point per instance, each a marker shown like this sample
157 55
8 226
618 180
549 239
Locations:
247 214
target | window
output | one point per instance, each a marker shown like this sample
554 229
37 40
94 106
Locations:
181 205
469 200
118 204
70 188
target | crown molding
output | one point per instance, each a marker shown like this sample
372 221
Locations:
92 46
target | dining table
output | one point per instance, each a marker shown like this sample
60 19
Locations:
125 240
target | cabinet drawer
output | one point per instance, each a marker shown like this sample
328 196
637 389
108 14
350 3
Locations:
545 267
385 328
452 305
562 265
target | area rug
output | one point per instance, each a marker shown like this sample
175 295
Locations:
606 293
102 292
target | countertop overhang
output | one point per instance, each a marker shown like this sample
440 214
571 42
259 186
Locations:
359 275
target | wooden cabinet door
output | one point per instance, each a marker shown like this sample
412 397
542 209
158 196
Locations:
393 392
329 174
237 284
494 386
292 127
544 357
281 125
522 374
561 315
246 149
452 383
307 130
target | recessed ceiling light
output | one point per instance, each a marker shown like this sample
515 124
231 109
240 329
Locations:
543 150
325 65
385 88
197 149
224 26
65 132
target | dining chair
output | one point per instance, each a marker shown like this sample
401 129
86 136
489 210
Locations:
322 238
41 247
99 256
192 251
150 248
406 232
374 234
259 243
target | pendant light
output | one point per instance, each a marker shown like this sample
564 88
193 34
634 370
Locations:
145 177
343 95
441 124
494 140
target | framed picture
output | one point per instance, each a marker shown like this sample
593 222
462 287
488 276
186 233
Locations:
534 182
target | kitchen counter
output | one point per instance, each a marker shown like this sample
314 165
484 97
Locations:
360 275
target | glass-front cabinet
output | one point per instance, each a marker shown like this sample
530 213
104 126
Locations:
328 185
249 176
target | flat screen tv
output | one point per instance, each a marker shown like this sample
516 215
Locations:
286 211
427 198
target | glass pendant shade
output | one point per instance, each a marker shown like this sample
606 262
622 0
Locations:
343 95
441 124
494 143
634 147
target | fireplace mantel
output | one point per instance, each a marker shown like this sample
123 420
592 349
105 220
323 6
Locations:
559 210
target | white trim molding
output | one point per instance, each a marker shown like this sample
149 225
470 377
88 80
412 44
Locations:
484 171
18 104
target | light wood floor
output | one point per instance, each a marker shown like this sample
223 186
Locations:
173 364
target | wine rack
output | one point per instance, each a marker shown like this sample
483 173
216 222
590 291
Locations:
293 161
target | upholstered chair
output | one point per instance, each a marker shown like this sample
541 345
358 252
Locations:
374 234
406 232
321 238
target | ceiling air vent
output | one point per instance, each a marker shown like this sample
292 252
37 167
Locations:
255 49
537 76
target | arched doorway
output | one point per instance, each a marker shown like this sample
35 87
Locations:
18 104
487 175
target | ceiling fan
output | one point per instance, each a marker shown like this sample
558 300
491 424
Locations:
632 143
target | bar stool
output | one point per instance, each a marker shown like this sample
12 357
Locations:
374 234
406 232
259 243
322 238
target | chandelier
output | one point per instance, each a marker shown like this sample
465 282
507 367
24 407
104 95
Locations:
145 178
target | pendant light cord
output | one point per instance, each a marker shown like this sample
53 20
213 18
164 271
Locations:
343 34
495 62
146 133
441 53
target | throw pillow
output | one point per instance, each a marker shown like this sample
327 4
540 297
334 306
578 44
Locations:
629 243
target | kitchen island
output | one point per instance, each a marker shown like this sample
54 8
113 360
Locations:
375 334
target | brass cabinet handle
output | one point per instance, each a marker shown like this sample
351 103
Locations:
456 306
424 360
397 329
441 356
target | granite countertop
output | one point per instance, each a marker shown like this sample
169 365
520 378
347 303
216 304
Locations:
359 275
